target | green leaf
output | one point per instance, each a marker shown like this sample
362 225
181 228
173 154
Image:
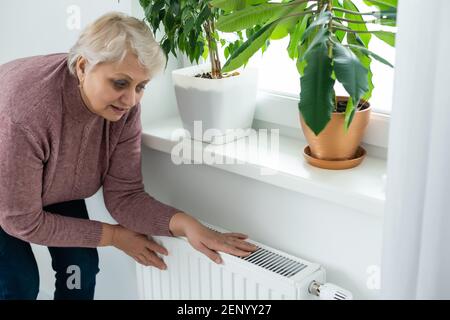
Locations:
296 37
248 49
365 37
199 49
386 36
316 94
228 5
321 36
193 36
175 5
339 34
370 53
205 52
279 32
388 11
185 14
157 5
248 17
382 3
349 113
350 72
166 46
203 16
288 24
301 65
231 5
226 52
264 47
323 18
390 14
169 22
144 3
365 60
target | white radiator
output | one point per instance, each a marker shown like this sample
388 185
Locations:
266 274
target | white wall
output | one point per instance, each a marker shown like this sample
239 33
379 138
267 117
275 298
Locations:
29 27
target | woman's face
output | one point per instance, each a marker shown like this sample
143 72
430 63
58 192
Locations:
111 89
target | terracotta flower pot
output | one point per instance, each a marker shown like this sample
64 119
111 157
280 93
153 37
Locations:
334 143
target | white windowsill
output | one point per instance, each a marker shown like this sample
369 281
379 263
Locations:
361 188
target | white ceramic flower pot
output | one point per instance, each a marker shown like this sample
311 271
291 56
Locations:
216 110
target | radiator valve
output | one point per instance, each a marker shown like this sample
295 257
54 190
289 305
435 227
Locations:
329 291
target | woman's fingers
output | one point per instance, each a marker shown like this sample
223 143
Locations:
236 235
210 242
244 245
153 259
234 246
141 259
225 246
213 255
138 260
240 245
231 249
237 238
150 260
153 246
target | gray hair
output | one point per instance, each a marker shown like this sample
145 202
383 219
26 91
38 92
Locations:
111 37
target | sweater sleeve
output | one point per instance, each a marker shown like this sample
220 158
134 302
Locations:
123 188
21 210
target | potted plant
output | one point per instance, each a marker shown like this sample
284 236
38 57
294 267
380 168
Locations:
214 107
329 39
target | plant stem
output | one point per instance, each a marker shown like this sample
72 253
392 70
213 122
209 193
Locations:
356 12
353 31
357 21
330 28
321 5
216 68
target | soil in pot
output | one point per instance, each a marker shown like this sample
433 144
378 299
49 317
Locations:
342 106
208 75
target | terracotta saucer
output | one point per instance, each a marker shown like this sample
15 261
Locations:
335 164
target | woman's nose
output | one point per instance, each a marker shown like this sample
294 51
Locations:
129 98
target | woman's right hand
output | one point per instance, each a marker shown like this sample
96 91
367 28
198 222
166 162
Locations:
139 247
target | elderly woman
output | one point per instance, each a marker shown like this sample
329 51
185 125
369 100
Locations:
69 124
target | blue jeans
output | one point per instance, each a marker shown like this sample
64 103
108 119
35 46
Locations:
76 268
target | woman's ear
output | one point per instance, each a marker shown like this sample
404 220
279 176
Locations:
81 68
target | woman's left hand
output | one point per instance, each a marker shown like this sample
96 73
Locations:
209 242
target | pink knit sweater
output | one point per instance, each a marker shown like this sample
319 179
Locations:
53 149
